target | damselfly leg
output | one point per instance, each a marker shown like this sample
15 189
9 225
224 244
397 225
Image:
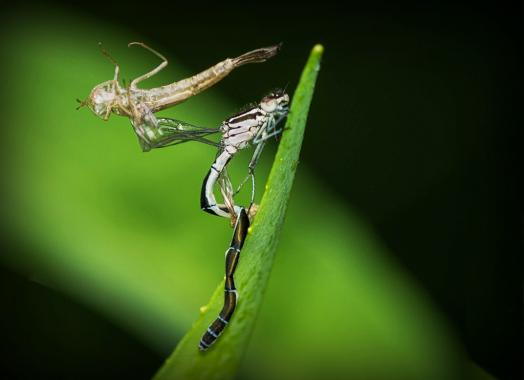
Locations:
259 141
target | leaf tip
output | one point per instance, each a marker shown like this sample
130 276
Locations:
318 49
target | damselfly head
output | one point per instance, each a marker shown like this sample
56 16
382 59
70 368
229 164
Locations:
103 98
275 101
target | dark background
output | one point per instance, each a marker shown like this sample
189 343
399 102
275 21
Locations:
417 115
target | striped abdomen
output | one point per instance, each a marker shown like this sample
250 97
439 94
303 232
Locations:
230 293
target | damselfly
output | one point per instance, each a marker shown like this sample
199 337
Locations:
141 104
251 127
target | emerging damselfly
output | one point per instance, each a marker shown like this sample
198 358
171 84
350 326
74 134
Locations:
141 104
253 126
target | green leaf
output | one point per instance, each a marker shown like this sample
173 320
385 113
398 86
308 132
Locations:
223 358
119 231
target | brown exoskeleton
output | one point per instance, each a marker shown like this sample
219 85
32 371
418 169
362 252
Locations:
141 104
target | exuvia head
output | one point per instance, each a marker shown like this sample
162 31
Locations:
275 101
103 99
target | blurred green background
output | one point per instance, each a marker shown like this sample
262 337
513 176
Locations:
399 257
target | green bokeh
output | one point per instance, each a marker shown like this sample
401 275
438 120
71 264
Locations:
121 230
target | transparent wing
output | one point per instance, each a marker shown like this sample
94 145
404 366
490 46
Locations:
173 132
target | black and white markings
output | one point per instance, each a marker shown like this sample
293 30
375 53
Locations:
252 127
230 292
